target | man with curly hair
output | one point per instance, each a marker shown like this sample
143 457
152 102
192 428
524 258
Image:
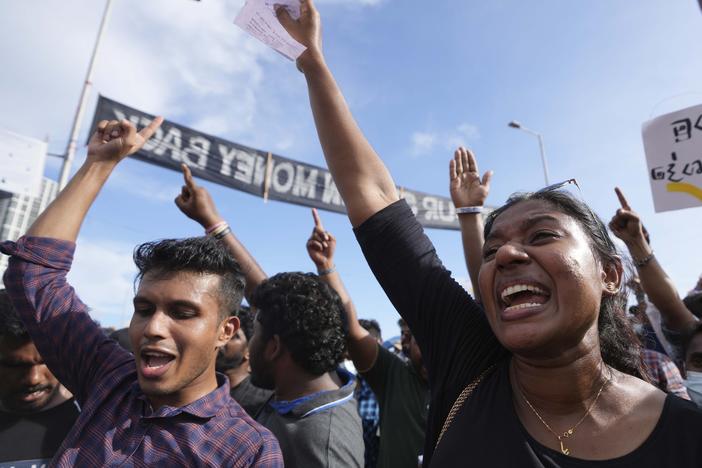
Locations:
298 342
234 360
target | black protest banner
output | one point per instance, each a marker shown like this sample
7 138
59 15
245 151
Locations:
254 171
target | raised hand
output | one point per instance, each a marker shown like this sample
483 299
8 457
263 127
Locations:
195 202
114 140
321 244
307 29
466 187
626 224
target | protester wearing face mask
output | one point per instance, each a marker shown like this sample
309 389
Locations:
693 365
680 325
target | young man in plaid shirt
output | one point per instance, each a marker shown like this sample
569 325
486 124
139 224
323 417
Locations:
164 405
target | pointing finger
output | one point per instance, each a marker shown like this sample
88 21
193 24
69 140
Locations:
622 199
452 170
317 219
149 130
188 176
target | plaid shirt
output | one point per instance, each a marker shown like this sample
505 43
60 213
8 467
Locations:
664 373
369 410
117 426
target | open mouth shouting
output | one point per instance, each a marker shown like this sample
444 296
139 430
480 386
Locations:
154 362
521 299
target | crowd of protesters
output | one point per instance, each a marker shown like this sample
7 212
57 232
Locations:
542 366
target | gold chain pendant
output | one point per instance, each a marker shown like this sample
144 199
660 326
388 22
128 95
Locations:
564 449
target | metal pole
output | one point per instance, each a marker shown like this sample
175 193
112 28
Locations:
72 142
543 157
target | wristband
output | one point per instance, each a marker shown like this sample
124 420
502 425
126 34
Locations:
218 230
643 261
469 210
328 271
214 226
221 234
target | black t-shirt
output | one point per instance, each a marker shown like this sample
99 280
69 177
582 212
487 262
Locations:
488 420
36 437
458 345
251 397
403 398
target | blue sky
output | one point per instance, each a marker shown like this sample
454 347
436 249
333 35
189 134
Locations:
420 77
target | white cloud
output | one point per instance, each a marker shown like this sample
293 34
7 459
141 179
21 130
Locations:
425 142
103 272
147 188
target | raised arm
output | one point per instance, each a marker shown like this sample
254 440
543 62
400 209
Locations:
660 290
363 348
361 177
70 342
196 203
468 193
111 142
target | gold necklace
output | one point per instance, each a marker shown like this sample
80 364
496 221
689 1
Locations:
567 434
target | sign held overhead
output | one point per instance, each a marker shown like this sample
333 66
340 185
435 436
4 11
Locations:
673 145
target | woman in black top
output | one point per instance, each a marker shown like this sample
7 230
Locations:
557 377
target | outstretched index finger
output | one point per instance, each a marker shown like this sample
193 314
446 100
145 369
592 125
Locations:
622 199
150 129
317 220
188 176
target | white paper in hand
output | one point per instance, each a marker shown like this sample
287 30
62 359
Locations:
258 18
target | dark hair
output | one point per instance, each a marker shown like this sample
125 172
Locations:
693 302
11 325
202 255
619 345
246 317
307 316
688 337
370 324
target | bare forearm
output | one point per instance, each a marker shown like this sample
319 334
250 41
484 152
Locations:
472 237
661 291
360 175
334 281
253 273
64 216
361 344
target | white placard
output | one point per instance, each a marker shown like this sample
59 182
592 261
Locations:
673 144
21 163
258 18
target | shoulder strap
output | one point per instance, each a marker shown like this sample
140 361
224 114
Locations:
458 404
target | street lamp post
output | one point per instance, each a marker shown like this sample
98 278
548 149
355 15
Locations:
75 129
518 126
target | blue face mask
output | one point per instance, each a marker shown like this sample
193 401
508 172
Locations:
693 382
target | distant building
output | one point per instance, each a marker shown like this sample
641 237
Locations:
18 212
